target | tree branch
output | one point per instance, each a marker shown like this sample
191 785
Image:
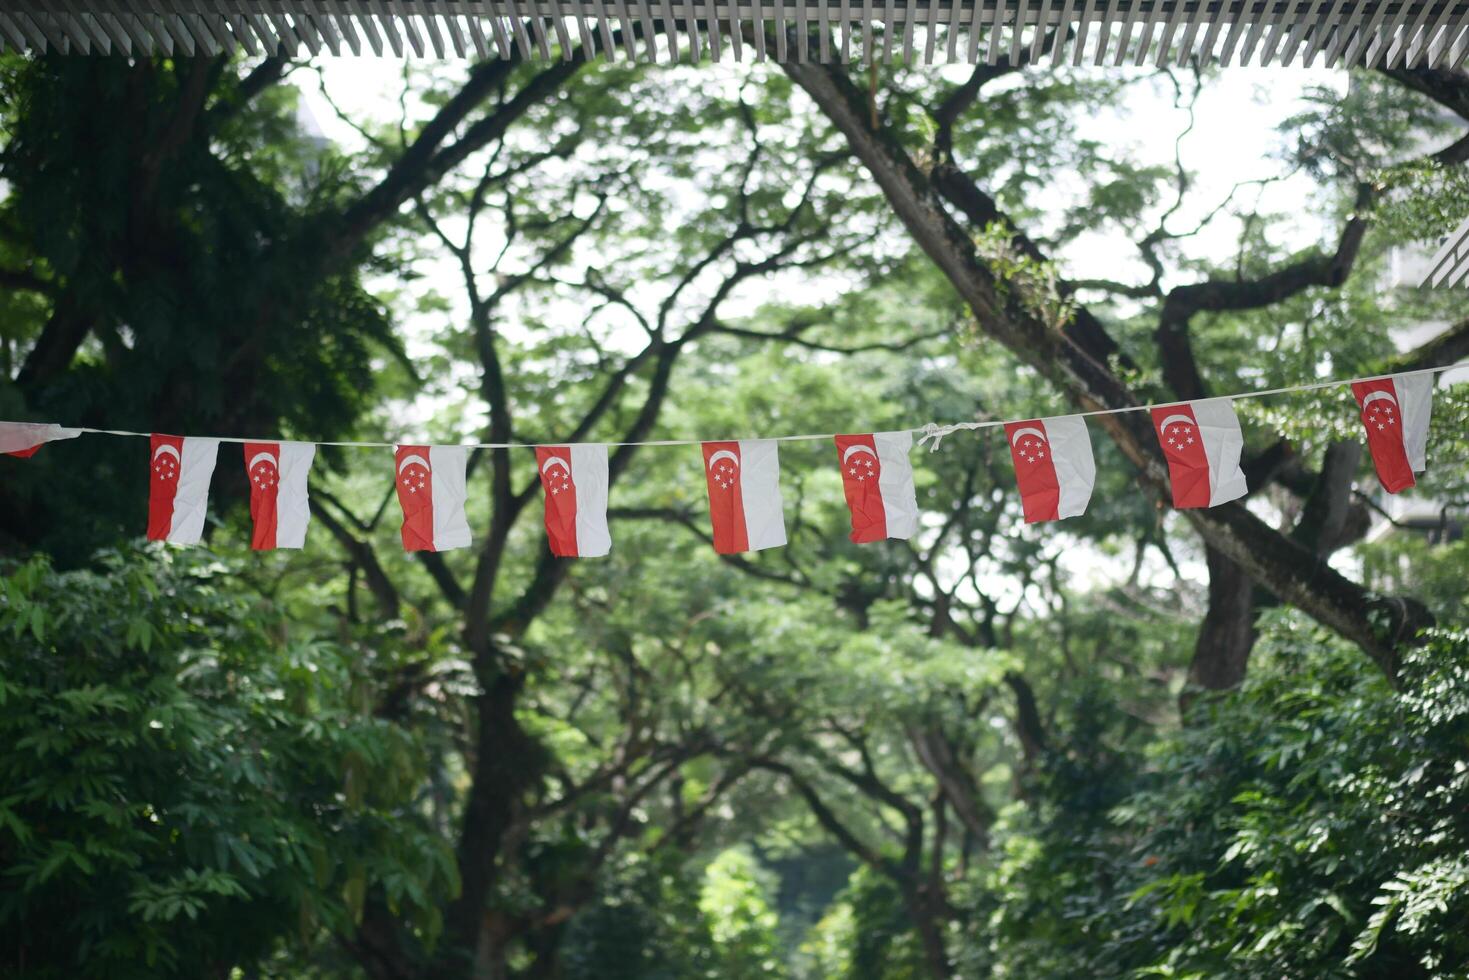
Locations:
1377 624
1449 87
827 817
18 279
426 158
1449 347
1180 369
363 556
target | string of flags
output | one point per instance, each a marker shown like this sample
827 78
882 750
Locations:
1054 468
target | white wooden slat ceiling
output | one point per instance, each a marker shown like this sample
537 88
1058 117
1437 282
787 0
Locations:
1333 33
1449 266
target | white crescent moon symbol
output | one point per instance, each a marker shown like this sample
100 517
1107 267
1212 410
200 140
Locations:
258 457
1029 428
166 448
1372 396
723 454
414 458
1176 418
857 449
558 461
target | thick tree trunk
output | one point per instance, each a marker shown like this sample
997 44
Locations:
508 763
925 909
1222 650
1330 519
956 782
544 944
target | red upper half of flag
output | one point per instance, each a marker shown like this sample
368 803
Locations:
1035 470
861 468
1183 447
416 496
726 498
263 470
559 484
1382 417
165 465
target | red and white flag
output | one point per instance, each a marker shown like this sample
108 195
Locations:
575 481
431 491
278 503
1054 466
878 481
744 495
1202 442
1395 412
24 438
178 488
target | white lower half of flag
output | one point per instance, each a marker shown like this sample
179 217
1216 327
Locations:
1224 444
293 505
1416 394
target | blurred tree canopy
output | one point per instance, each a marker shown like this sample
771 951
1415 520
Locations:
1139 743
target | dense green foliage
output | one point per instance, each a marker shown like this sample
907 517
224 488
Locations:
1310 824
189 779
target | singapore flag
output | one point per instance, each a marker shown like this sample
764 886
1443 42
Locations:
1395 413
877 479
575 481
278 504
24 438
1202 442
431 491
744 495
1054 466
178 487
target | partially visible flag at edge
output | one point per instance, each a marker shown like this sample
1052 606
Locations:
24 438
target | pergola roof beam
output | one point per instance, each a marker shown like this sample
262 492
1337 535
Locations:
1347 33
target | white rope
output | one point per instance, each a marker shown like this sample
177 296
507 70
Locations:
937 432
930 432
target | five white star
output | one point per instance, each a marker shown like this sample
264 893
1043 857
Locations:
1177 434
